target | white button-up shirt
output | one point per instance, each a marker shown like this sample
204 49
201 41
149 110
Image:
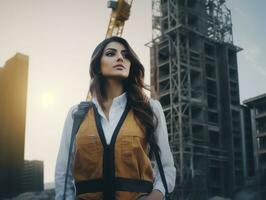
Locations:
116 110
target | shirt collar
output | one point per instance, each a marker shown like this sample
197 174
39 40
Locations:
119 101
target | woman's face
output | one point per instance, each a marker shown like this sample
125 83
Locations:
114 61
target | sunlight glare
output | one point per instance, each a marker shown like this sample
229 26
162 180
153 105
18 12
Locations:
47 99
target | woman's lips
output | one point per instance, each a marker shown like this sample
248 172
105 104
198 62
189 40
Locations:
119 66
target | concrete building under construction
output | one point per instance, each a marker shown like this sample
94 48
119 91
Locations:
194 73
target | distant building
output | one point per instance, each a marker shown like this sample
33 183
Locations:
257 107
13 96
32 176
248 147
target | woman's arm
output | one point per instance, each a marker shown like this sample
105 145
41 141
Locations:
61 162
166 156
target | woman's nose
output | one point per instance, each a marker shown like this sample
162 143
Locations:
120 57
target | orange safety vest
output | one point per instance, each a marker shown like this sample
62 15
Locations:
120 170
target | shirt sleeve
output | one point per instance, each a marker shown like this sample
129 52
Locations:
166 156
61 162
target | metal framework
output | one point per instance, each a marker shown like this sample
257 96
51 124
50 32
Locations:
185 77
120 13
215 18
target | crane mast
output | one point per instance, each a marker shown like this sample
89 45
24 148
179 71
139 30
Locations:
120 13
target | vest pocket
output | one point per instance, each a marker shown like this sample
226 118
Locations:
89 147
87 161
131 150
127 148
134 156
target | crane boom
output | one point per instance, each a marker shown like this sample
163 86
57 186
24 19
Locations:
120 13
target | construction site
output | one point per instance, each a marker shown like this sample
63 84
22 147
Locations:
194 74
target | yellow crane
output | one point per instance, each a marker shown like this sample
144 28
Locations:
120 13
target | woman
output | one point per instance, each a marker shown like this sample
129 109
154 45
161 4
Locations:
110 158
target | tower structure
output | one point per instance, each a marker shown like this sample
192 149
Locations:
194 75
13 98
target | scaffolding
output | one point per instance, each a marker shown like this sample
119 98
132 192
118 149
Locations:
209 18
186 76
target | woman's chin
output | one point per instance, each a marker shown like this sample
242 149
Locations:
117 76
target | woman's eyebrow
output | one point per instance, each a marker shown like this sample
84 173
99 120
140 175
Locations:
110 49
115 49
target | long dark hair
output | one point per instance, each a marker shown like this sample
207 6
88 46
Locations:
133 85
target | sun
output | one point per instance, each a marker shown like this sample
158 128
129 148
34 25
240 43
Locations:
48 99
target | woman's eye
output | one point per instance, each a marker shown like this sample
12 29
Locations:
109 54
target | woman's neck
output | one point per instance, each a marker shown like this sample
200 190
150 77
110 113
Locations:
114 88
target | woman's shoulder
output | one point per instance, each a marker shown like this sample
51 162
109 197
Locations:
71 110
75 107
155 104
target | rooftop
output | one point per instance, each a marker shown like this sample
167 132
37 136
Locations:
255 100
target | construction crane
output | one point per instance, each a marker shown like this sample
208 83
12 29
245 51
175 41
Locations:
120 13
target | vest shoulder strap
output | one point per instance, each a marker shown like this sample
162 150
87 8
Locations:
78 116
161 171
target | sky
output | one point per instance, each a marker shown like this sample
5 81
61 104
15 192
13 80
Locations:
59 37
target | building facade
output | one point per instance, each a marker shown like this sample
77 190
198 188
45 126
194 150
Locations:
13 96
32 176
194 74
248 147
257 106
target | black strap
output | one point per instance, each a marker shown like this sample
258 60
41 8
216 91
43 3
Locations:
160 167
120 184
78 117
109 154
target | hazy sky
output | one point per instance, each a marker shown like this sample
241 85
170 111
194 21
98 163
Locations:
59 37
